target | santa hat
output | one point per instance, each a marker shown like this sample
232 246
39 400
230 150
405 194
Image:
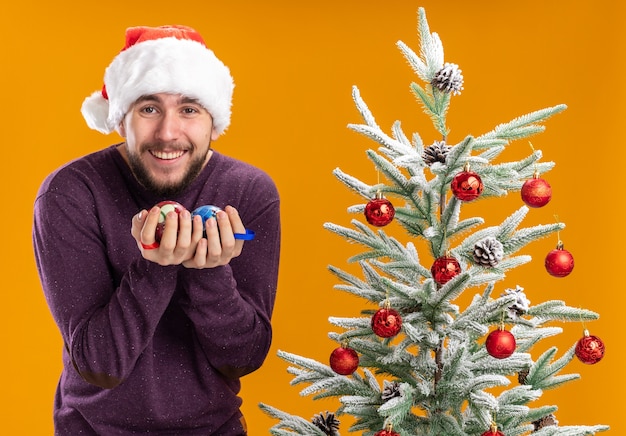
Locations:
166 59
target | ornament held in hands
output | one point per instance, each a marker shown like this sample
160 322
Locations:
500 343
536 192
205 212
386 323
444 269
559 262
379 211
209 211
589 349
166 207
344 360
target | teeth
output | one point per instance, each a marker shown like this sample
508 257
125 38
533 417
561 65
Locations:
167 155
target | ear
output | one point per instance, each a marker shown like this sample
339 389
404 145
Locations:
214 134
121 129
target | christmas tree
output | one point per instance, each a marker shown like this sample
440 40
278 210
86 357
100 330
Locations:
418 363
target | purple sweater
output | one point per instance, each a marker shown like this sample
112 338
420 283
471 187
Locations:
149 348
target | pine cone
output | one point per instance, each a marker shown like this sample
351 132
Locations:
448 79
436 153
488 252
327 423
544 422
522 376
520 307
390 390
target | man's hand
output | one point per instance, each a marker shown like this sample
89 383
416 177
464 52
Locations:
182 241
220 245
179 240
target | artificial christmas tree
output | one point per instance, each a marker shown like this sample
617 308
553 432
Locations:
425 365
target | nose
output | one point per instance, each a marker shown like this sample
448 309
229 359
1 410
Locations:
169 127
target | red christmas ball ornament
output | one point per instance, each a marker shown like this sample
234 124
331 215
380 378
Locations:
536 192
589 349
493 431
467 185
500 343
379 211
444 269
386 323
386 433
344 360
166 207
559 262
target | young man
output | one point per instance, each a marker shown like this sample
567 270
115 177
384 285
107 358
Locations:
157 333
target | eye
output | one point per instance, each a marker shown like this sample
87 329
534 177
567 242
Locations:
148 109
189 110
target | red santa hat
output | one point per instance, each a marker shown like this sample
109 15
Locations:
166 59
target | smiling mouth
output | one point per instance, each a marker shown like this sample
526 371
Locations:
167 155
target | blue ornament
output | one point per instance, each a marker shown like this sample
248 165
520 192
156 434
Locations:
205 212
209 211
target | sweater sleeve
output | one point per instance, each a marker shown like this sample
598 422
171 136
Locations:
231 306
106 321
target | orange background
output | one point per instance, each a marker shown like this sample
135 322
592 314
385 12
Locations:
294 64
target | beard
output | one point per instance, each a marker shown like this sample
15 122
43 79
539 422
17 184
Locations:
166 189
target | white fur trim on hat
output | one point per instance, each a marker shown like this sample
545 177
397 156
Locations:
164 65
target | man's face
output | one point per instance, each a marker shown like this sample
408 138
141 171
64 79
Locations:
168 141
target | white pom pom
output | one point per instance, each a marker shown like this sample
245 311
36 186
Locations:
95 110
